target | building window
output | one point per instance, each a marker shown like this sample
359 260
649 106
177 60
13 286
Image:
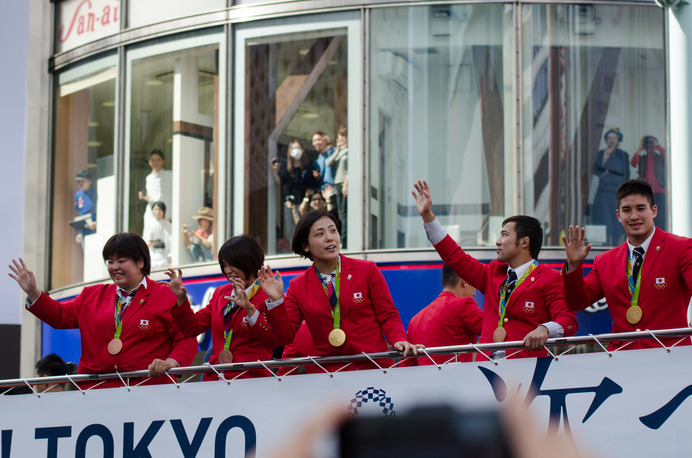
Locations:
83 193
593 113
440 109
173 149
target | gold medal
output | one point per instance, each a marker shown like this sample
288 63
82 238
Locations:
337 337
225 357
114 346
634 314
499 335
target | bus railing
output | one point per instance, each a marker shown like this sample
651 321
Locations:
488 350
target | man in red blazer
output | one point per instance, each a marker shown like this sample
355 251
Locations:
453 318
662 288
535 309
148 339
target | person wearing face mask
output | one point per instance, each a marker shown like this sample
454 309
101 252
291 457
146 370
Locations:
300 173
236 313
124 326
612 169
523 299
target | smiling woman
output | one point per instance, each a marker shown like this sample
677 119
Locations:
236 313
345 302
124 326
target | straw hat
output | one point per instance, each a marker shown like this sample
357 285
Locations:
205 213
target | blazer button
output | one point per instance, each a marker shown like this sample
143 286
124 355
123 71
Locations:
506 320
115 367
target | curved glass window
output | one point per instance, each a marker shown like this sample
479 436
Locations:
593 113
173 149
83 194
440 80
297 90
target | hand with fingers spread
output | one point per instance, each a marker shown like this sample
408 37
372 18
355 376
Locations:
241 297
272 285
421 193
24 278
575 247
176 285
407 347
159 367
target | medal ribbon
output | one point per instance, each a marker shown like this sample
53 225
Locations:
504 299
634 285
118 317
229 307
336 307
120 308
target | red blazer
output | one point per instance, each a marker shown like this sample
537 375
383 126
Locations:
537 300
248 344
148 330
367 311
301 346
448 320
666 285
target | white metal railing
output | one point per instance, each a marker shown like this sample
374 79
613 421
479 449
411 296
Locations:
488 350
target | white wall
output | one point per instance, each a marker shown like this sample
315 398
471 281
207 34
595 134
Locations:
14 49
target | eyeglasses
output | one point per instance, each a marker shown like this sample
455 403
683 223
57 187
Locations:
318 199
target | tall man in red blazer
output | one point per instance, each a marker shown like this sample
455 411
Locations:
523 299
654 295
148 337
453 318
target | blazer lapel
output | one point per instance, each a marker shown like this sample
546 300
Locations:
314 285
655 248
346 286
619 268
527 283
110 297
141 297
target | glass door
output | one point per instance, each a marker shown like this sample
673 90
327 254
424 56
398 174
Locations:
296 93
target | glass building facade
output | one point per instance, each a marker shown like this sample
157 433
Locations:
227 114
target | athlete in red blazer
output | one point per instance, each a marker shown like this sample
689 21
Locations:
666 272
149 337
368 314
536 309
240 258
453 318
148 330
248 343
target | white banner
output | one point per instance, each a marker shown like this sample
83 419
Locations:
631 404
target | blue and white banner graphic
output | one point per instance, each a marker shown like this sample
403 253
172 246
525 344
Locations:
634 403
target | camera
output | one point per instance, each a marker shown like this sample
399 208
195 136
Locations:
439 431
291 198
275 161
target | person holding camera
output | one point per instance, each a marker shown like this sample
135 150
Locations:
650 161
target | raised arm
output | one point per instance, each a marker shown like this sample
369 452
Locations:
423 198
575 248
24 278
